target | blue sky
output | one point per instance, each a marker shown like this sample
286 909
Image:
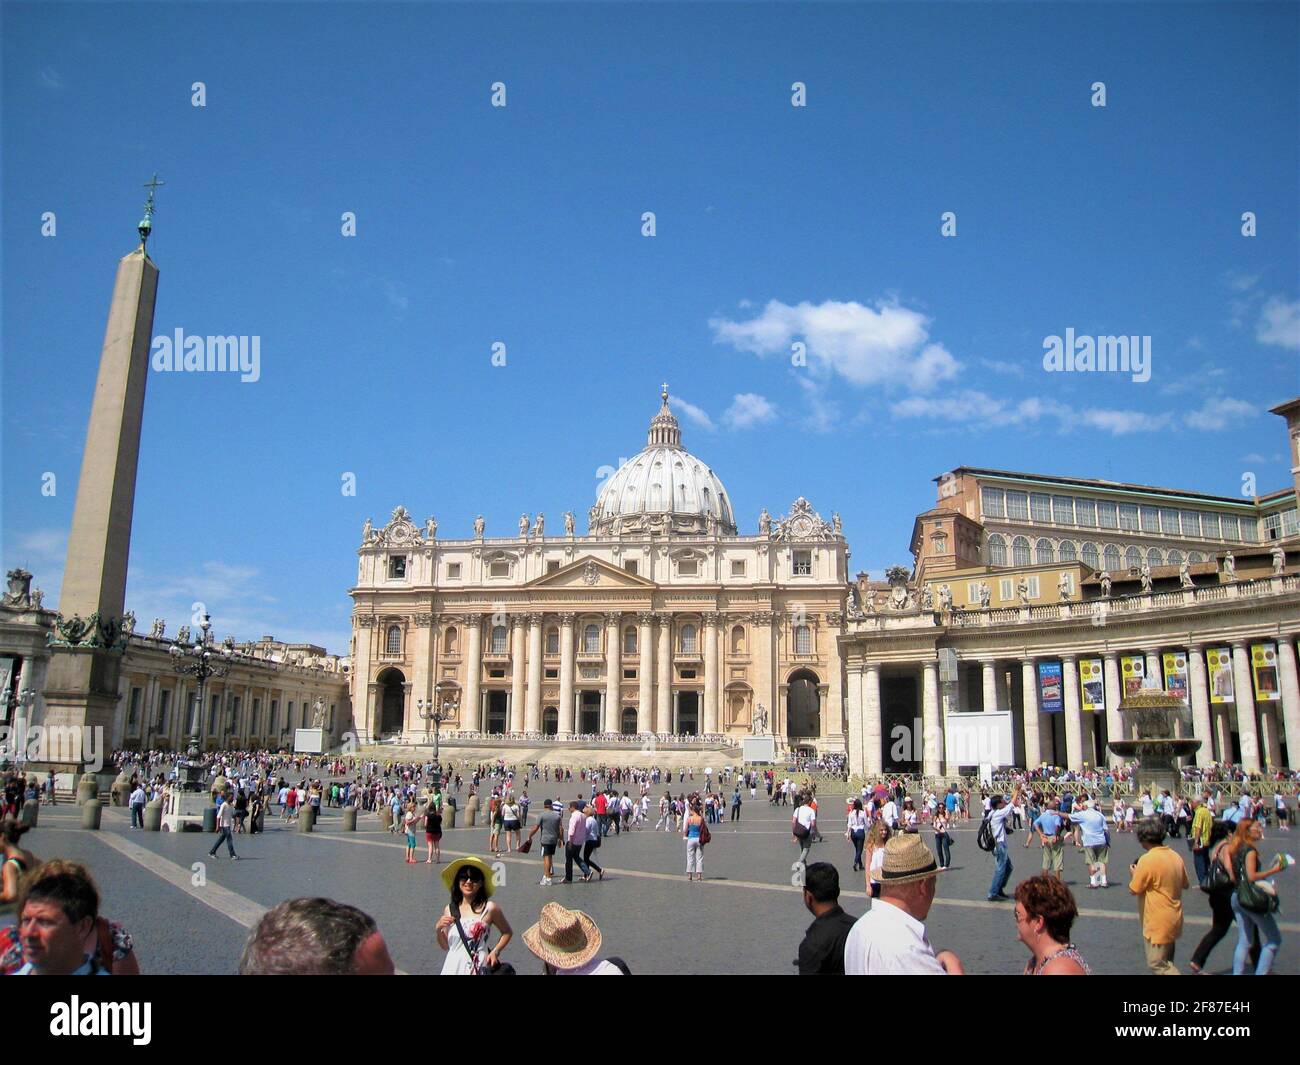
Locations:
774 225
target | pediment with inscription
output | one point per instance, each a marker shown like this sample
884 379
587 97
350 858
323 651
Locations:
590 573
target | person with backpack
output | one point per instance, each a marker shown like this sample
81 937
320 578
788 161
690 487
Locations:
803 825
1253 903
992 837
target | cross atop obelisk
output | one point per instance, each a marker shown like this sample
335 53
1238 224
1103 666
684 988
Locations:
146 223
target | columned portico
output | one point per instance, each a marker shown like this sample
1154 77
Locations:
1244 694
1029 712
711 674
991 686
664 696
1199 697
1114 695
566 675
613 672
932 757
871 719
533 714
1074 752
645 672
471 712
518 636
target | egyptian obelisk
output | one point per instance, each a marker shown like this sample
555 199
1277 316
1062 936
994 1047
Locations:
87 644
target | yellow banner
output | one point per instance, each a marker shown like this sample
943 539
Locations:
1092 687
1263 664
1176 674
1218 664
1132 669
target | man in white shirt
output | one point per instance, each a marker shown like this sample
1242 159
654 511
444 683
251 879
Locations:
890 938
804 826
999 811
889 814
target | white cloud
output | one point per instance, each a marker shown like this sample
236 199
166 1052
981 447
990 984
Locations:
823 413
1279 323
888 345
1123 422
975 407
1011 369
1218 413
1254 457
747 410
1239 281
695 415
51 78
40 547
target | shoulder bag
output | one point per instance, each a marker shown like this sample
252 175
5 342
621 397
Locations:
1251 896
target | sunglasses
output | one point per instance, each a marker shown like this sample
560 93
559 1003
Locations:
467 875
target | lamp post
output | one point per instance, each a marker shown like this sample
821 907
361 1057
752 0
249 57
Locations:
442 707
201 661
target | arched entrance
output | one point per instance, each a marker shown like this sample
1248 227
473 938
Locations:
627 724
688 713
803 713
496 713
392 701
589 713
550 721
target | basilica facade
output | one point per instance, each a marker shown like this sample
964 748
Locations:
661 619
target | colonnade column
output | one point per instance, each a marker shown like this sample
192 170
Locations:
931 725
1244 694
566 675
518 663
645 672
874 759
613 672
664 664
1270 741
1073 714
710 674
990 668
1290 685
1114 695
856 718
1029 711
533 710
471 715
1199 697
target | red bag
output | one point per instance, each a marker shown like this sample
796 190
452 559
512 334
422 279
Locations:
705 835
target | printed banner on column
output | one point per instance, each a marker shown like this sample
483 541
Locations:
1092 687
1050 699
1133 670
1218 663
1263 662
1176 674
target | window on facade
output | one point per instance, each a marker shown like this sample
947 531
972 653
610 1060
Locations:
629 674
1190 522
803 563
1063 510
738 640
688 639
802 640
1150 519
498 640
499 568
1040 506
1106 516
551 674
1033 587
1230 527
629 641
552 565
1020 551
1044 553
1090 556
393 641
1290 522
1112 558
1154 558
1128 516
396 566
496 673
552 641
687 567
1018 505
1209 525
591 640
1067 552
453 571
1133 558
630 566
997 550
275 715
449 641
1250 530
133 714
1195 556
1085 512
994 502
973 593
737 567
1175 558
1006 590
1169 524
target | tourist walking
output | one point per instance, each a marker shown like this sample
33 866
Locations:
877 837
999 812
575 836
1158 880
466 924
856 833
1254 900
225 822
942 837
137 802
735 803
409 820
550 827
1096 842
1048 828
510 823
593 839
433 833
693 832
803 824
1045 913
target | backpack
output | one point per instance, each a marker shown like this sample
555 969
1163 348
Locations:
985 837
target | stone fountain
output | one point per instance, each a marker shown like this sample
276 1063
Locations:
1150 714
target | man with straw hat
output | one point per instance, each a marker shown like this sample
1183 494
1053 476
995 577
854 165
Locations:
567 941
890 938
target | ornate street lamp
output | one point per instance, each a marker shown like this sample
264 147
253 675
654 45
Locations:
442 707
202 661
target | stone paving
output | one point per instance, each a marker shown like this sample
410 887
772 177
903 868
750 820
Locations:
746 917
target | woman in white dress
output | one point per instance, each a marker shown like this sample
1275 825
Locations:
470 882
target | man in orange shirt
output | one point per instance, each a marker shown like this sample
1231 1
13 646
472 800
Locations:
1159 879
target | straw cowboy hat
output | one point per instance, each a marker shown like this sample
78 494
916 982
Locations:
453 870
907 859
566 939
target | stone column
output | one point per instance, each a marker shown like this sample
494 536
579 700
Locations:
856 718
1290 685
1029 712
1270 741
1114 696
645 672
471 713
518 664
613 721
874 755
533 709
664 663
1222 731
990 668
1073 714
709 724
566 675
1244 693
1199 696
931 725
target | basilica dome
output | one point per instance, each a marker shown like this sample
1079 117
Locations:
664 489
